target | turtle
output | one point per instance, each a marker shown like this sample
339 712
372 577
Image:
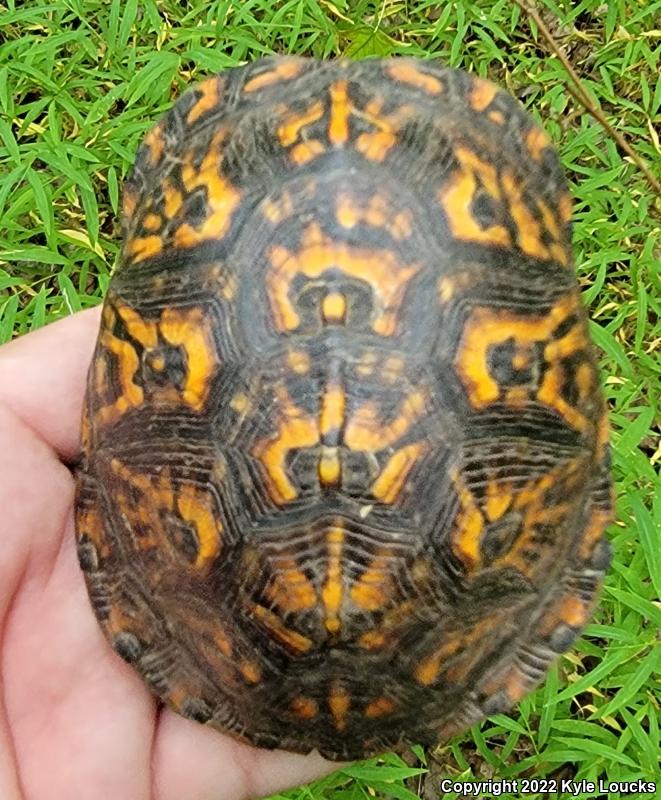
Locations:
345 464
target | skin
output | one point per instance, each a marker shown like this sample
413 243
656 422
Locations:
75 721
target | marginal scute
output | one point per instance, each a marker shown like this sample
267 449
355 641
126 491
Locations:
408 71
562 637
482 94
88 554
208 98
197 709
345 471
497 703
283 70
128 646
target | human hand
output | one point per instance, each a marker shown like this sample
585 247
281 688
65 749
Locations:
76 722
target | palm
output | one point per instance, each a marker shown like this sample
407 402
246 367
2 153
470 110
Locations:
77 722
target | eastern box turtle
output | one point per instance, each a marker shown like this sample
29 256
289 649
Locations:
345 471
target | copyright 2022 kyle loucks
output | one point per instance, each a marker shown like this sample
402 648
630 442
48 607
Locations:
563 788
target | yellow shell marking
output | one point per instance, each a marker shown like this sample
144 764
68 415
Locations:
603 434
529 232
367 364
375 145
172 200
250 671
392 369
457 196
304 152
196 507
222 197
304 707
393 476
333 404
408 72
276 211
574 611
333 589
565 207
599 519
429 668
90 524
285 70
373 589
155 144
482 94
289 132
144 247
295 429
330 468
240 403
531 501
128 363
450 285
372 640
222 640
377 212
209 97
392 619
549 394
190 330
536 141
339 703
152 222
290 589
488 327
184 500
365 431
499 499
299 361
334 308
380 269
379 707
340 110
214 640
585 380
129 203
187 329
272 622
559 250
569 609
119 621
469 525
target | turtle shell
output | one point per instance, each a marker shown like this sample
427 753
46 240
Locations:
345 473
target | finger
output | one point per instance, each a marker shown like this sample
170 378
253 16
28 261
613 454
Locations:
64 693
69 696
197 763
42 378
35 488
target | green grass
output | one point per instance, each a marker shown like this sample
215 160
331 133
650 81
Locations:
82 80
